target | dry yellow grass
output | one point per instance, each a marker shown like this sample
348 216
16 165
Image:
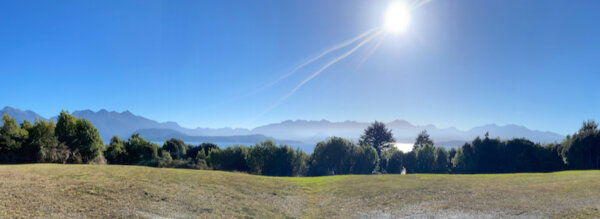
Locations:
51 190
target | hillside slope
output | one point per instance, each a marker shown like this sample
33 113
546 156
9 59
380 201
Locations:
50 190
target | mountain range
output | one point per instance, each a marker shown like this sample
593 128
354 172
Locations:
123 124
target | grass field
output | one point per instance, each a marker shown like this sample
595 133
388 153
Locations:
50 190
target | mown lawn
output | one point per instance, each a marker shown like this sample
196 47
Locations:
52 190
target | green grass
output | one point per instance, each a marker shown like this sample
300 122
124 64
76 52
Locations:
51 190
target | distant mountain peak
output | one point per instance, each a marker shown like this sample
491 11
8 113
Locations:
490 125
7 108
82 111
20 115
400 122
430 126
303 121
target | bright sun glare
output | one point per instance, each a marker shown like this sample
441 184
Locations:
397 18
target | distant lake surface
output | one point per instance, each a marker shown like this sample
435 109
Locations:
306 147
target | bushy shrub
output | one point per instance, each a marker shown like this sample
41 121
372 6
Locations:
115 152
582 150
80 136
331 157
364 160
141 152
395 162
232 158
176 148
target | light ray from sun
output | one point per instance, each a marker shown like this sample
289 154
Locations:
419 4
371 51
316 73
413 3
313 59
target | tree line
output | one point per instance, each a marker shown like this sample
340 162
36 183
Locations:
76 140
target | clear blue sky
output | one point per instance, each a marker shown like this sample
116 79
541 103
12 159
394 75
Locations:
461 63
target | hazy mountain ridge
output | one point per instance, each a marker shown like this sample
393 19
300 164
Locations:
403 131
121 124
20 115
308 131
162 134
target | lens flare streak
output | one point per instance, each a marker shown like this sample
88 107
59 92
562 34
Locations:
325 67
419 4
321 55
371 51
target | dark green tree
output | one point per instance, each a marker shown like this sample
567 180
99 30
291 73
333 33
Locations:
395 162
409 162
582 150
141 152
552 158
425 159
80 136
282 164
176 148
165 160
422 140
331 157
378 136
364 160
26 125
441 160
193 151
488 155
43 145
65 129
261 158
87 141
464 160
12 138
300 163
207 147
204 147
232 158
116 153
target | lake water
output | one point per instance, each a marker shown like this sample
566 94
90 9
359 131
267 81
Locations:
306 147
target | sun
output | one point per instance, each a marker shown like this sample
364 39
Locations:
397 18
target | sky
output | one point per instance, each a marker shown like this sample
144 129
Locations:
460 63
